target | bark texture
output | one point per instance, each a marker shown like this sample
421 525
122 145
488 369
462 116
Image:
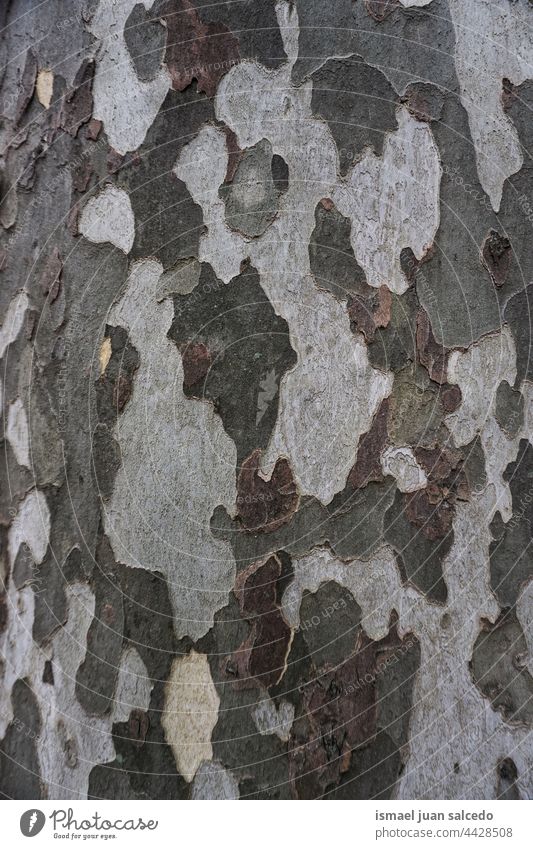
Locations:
267 399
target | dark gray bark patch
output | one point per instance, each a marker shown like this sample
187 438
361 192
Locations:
168 222
499 668
145 37
333 263
19 770
511 552
249 347
358 103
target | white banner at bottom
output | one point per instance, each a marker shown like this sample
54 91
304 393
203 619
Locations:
309 824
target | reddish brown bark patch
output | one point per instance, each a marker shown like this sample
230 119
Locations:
432 509
339 713
451 398
265 505
370 311
51 276
78 105
122 390
263 655
497 256
234 153
197 50
508 95
26 85
138 725
381 9
93 130
197 360
432 355
367 466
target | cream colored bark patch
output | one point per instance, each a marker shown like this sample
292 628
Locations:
45 87
108 217
190 712
104 355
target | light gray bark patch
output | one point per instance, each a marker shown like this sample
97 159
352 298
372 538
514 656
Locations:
358 103
499 668
516 209
145 38
252 197
249 346
331 256
168 222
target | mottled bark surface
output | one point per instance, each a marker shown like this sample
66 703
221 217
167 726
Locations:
267 399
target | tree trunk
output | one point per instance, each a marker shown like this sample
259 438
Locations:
266 501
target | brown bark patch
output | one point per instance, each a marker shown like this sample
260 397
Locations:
432 355
197 360
263 655
78 105
265 505
370 311
367 466
51 276
195 49
380 9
